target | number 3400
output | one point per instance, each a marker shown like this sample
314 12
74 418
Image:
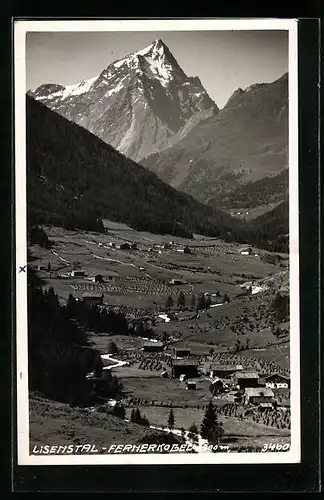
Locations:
275 447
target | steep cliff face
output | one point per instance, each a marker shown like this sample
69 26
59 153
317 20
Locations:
246 141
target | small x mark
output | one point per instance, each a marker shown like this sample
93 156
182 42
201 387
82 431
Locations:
22 269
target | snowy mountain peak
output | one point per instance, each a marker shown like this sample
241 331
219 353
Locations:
153 61
157 46
59 92
136 104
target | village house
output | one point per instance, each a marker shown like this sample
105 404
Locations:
153 346
247 285
175 282
93 298
123 246
186 250
258 395
246 251
181 352
265 406
77 273
187 367
96 384
246 379
97 278
223 371
277 381
191 385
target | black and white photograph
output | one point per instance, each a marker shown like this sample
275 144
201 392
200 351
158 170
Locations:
157 310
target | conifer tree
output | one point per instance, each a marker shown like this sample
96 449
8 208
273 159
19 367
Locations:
226 298
211 429
181 302
171 419
169 302
137 416
193 301
193 432
119 411
71 306
132 417
201 301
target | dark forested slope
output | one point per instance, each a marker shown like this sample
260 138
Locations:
276 221
75 179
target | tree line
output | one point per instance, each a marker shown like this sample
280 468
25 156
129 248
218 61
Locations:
59 357
270 189
95 318
200 302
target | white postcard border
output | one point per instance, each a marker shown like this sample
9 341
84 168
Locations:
20 30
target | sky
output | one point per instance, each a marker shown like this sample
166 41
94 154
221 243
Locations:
223 60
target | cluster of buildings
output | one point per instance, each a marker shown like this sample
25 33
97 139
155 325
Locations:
238 385
121 246
169 245
231 382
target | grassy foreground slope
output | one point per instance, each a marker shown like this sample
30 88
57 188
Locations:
54 423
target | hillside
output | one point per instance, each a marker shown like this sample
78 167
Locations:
245 142
272 228
75 180
265 191
54 423
274 221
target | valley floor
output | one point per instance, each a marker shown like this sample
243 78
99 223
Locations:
139 281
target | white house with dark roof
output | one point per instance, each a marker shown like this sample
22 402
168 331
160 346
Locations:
246 251
77 273
257 395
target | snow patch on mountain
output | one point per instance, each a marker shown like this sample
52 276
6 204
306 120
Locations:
147 49
118 64
162 71
114 90
69 90
84 86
